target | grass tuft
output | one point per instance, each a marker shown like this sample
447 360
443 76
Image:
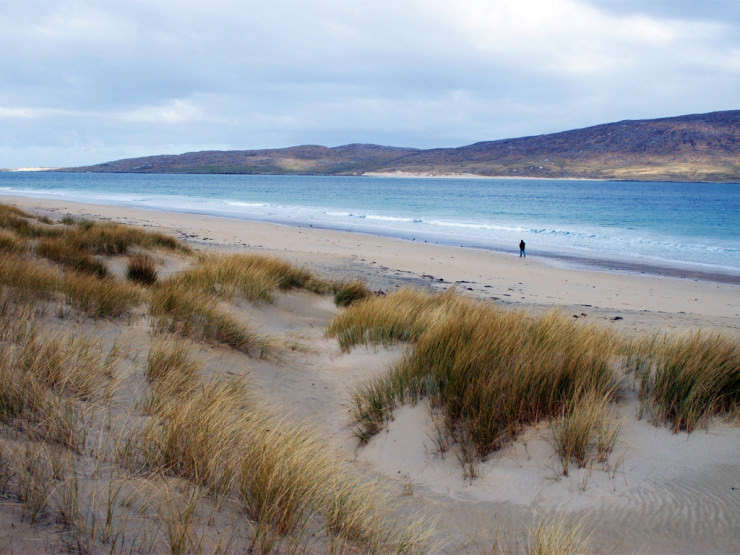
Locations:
348 292
555 536
254 277
583 432
195 437
489 371
11 243
687 380
107 238
400 317
142 269
28 274
171 372
176 307
99 297
24 224
69 255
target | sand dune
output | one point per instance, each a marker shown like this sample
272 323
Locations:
659 492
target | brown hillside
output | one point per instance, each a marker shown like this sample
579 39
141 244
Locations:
699 147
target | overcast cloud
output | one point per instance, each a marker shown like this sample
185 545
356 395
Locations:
86 81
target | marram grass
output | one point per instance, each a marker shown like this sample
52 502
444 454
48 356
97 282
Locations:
176 307
489 371
288 482
585 432
348 292
188 304
98 297
400 317
71 256
107 238
171 371
43 377
686 380
253 277
281 482
142 269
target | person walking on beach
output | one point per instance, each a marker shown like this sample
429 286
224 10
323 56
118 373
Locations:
522 244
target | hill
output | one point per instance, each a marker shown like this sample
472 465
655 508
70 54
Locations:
306 159
698 147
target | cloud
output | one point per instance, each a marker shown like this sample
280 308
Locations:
174 111
163 76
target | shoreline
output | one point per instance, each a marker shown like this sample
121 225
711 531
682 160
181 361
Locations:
668 269
638 303
434 175
398 174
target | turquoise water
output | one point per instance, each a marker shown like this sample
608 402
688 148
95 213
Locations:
679 225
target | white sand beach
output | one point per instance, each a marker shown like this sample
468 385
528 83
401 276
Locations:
660 492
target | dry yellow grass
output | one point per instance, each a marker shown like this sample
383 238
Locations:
142 269
59 249
254 277
190 453
584 432
686 380
548 537
11 243
348 292
400 317
177 307
489 371
182 446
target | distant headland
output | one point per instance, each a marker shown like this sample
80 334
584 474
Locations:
697 147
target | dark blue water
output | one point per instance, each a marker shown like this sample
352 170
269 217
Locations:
684 225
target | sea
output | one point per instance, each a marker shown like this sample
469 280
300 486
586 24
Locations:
681 229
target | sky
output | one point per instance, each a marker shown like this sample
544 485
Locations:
88 81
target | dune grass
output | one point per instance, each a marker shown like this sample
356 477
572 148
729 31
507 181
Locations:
176 307
188 304
23 224
491 372
400 317
60 250
99 297
194 438
44 374
550 536
288 479
289 484
688 379
142 269
284 486
74 269
30 275
11 243
584 432
107 238
171 371
253 277
348 292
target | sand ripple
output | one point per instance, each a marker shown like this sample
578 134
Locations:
688 515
